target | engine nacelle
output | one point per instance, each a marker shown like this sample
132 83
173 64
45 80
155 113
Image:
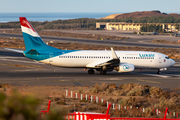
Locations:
125 67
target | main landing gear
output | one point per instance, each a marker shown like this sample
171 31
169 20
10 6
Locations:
90 71
103 72
158 72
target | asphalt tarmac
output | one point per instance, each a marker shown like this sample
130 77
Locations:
140 41
15 69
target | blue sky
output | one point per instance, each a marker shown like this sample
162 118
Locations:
111 6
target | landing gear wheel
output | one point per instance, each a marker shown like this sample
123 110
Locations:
90 71
158 72
103 72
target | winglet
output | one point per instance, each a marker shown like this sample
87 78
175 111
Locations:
114 54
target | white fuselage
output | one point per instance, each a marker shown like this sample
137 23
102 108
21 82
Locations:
140 59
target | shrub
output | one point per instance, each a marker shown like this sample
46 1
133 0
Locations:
61 103
110 90
55 114
112 85
155 92
163 102
16 106
125 102
135 92
103 87
121 86
80 90
95 90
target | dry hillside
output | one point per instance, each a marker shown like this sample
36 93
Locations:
141 14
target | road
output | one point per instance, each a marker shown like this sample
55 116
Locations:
18 70
143 41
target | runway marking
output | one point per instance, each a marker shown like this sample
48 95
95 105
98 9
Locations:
163 76
29 70
148 81
37 79
21 61
112 79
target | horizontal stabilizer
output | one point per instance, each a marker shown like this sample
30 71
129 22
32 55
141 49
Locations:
19 51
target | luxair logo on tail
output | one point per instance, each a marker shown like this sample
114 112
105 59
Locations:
146 55
27 23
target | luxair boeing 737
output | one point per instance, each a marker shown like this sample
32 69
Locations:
102 61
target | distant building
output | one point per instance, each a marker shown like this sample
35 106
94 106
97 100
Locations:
133 26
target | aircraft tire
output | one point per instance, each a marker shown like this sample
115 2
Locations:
158 72
103 72
90 71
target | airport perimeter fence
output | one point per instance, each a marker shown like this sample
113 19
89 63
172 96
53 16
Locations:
99 116
114 106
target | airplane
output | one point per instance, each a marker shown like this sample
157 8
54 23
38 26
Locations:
100 60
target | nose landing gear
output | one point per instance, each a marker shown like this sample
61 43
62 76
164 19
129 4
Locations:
158 72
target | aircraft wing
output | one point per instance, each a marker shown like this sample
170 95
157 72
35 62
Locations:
19 51
100 63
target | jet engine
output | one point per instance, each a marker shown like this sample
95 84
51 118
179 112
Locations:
125 67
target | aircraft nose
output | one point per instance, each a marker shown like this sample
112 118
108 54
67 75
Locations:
172 62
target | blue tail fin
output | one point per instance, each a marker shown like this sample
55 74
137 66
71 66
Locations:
31 38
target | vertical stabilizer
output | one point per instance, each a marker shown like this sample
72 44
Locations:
31 38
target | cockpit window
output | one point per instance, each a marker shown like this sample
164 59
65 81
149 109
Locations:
167 57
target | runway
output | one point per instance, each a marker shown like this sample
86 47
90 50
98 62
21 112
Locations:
18 70
142 41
